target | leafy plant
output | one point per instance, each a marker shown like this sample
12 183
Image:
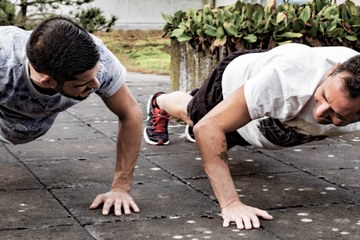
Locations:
248 26
92 20
7 12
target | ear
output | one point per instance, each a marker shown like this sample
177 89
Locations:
43 80
333 69
47 82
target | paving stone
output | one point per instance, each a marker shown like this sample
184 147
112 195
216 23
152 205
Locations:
74 130
283 190
241 162
47 185
105 127
332 222
31 209
347 178
194 227
65 117
16 176
65 149
352 139
61 233
71 173
5 155
98 113
156 199
316 158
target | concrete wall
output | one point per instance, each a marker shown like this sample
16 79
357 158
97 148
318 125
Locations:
140 14
146 14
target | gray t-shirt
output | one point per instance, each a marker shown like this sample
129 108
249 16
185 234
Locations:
25 113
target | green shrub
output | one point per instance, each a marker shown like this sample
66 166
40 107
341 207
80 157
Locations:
7 13
249 26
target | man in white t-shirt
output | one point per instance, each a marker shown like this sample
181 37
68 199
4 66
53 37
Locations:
290 95
45 71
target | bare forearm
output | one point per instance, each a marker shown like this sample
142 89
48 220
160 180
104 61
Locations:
215 160
128 145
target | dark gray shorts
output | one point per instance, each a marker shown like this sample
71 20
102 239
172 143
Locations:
210 94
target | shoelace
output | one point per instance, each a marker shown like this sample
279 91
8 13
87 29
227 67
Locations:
159 121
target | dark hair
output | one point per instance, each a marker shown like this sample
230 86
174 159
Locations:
60 48
351 83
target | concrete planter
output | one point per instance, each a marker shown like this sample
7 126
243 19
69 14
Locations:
189 68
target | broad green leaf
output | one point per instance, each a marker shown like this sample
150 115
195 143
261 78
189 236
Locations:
290 35
281 16
219 17
167 18
338 32
207 9
183 38
210 30
191 13
298 25
177 32
331 12
257 17
250 38
220 33
331 26
351 38
230 29
305 14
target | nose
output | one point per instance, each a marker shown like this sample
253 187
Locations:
95 84
322 110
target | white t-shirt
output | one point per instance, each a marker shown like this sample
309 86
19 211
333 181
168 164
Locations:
25 113
279 84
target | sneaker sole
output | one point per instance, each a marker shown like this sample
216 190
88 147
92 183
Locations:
149 141
188 135
148 107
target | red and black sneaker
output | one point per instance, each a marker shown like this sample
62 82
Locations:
156 130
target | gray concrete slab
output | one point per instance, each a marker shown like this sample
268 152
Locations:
319 157
194 227
64 149
31 209
283 190
16 176
156 199
74 173
62 232
327 222
241 162
46 186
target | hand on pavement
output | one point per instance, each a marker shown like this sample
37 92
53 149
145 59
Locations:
119 199
245 217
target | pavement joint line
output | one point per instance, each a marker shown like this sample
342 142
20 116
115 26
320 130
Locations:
87 124
183 181
38 228
42 184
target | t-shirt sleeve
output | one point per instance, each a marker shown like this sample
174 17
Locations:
264 94
112 73
280 90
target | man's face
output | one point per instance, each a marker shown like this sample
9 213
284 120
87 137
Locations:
333 104
81 87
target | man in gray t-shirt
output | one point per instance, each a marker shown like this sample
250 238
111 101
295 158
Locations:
53 67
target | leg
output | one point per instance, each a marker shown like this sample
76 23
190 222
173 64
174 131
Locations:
175 104
160 108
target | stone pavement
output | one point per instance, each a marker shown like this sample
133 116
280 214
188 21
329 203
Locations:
46 187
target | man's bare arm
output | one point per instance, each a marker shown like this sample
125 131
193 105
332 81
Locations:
124 105
227 116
